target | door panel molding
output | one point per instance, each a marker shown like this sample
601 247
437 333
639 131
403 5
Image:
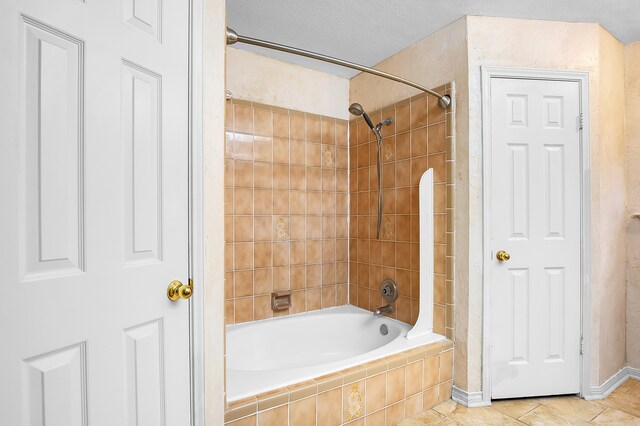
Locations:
52 145
55 386
554 120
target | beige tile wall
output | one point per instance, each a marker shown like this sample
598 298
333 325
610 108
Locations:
383 392
420 138
286 206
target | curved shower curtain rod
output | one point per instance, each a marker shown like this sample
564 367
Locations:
233 37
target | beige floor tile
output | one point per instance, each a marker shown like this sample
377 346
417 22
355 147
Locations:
544 415
515 408
626 402
622 407
574 406
626 386
428 418
635 390
474 416
446 407
611 416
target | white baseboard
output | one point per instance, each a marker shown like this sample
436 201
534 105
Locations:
612 383
468 399
474 399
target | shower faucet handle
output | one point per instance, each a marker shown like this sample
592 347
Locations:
389 290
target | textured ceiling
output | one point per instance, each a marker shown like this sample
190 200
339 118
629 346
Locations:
368 31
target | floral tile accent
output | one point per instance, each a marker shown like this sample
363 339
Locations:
354 403
388 229
328 157
228 146
388 152
282 229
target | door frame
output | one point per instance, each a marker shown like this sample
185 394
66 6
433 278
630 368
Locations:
196 213
582 78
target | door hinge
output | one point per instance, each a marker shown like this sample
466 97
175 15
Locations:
581 345
581 120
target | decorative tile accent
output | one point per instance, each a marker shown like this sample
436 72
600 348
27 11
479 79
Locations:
388 152
354 403
328 157
388 229
228 147
282 229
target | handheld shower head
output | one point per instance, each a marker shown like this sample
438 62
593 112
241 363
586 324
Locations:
357 110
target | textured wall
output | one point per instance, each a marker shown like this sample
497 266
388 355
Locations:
286 205
500 42
609 285
576 47
632 79
257 78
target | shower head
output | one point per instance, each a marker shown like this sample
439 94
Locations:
357 110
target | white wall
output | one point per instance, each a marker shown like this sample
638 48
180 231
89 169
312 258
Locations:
256 78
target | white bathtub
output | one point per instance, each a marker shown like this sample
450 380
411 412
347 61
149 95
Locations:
269 354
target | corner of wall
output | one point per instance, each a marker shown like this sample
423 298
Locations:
611 282
632 135
213 65
432 61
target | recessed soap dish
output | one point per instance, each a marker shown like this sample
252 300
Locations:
280 300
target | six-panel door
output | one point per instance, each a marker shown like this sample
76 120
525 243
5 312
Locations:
93 224
535 217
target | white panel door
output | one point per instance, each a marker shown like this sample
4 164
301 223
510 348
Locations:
535 217
93 224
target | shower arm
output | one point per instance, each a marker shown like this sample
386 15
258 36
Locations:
233 37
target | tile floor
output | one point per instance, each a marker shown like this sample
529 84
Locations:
622 407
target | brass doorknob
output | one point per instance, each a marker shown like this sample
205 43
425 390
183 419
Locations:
177 290
503 256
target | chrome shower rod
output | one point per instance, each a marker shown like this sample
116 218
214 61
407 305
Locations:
233 37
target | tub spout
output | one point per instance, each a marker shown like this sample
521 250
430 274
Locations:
386 309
